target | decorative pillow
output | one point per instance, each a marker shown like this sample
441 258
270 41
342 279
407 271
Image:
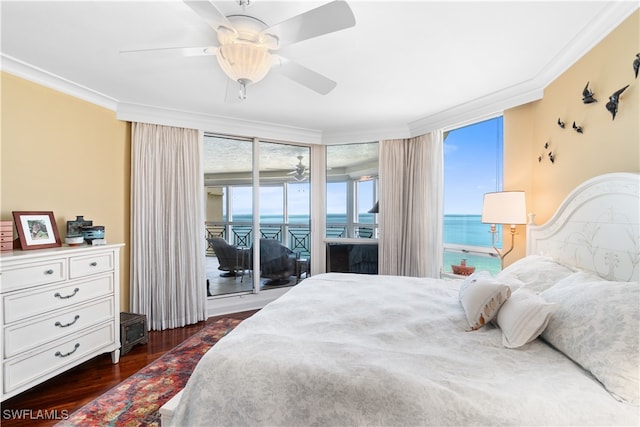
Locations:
597 325
481 297
535 272
523 317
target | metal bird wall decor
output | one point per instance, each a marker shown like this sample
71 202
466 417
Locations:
636 64
550 155
614 99
587 95
560 123
577 128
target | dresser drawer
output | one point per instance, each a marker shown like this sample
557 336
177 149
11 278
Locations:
25 336
38 273
22 372
81 266
26 304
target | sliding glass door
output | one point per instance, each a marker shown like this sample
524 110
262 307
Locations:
285 222
229 213
280 192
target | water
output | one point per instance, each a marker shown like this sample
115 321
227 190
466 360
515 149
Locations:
467 230
458 229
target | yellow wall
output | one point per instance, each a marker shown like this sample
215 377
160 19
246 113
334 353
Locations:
68 156
605 146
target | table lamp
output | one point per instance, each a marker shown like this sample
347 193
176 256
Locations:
504 207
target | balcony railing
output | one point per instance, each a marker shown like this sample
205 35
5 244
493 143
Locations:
295 236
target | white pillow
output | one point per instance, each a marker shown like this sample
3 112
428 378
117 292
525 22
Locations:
535 272
597 325
523 317
481 297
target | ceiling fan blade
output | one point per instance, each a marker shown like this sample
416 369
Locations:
172 52
306 77
334 16
209 13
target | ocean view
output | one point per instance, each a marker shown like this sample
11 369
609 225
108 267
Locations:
458 229
465 230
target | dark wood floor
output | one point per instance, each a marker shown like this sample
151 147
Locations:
73 389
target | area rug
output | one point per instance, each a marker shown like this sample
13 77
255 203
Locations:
136 401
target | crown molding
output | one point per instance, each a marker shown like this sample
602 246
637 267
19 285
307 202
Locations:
217 124
473 111
365 135
45 78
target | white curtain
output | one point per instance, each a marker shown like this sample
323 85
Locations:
168 279
411 206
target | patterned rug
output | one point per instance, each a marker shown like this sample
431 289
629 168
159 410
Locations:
136 400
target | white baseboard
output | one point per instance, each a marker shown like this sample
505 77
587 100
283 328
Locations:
243 302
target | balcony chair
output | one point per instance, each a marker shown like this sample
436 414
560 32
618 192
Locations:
277 262
232 260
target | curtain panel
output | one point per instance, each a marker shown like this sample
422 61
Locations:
168 279
411 206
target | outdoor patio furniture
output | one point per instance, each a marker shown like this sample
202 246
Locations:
277 262
233 260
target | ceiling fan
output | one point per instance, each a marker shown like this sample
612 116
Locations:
299 171
247 45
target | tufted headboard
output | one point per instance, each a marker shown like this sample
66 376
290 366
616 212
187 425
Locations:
596 228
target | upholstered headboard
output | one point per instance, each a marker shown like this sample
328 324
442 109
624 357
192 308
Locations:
596 228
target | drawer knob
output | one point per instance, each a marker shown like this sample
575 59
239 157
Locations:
48 271
94 264
75 291
58 354
75 319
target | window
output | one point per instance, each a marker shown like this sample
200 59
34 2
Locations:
352 190
472 167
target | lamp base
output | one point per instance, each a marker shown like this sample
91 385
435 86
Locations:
493 243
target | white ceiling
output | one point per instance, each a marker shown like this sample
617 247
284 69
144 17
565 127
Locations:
404 67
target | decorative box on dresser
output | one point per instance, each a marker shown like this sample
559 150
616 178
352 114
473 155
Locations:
60 307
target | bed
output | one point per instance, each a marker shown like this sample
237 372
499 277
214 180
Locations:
550 340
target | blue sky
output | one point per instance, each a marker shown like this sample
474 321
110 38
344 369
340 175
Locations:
473 161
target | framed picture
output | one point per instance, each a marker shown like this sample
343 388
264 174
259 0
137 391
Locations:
36 230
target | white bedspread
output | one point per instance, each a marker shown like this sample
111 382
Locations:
344 349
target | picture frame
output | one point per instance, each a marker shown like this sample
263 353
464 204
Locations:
36 229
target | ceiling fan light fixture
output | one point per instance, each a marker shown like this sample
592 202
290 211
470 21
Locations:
245 63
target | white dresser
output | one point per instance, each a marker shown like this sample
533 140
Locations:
60 307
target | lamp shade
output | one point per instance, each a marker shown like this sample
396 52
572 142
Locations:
505 207
244 62
375 208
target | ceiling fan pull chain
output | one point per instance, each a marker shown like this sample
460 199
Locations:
243 91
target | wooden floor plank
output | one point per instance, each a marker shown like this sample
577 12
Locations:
73 389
